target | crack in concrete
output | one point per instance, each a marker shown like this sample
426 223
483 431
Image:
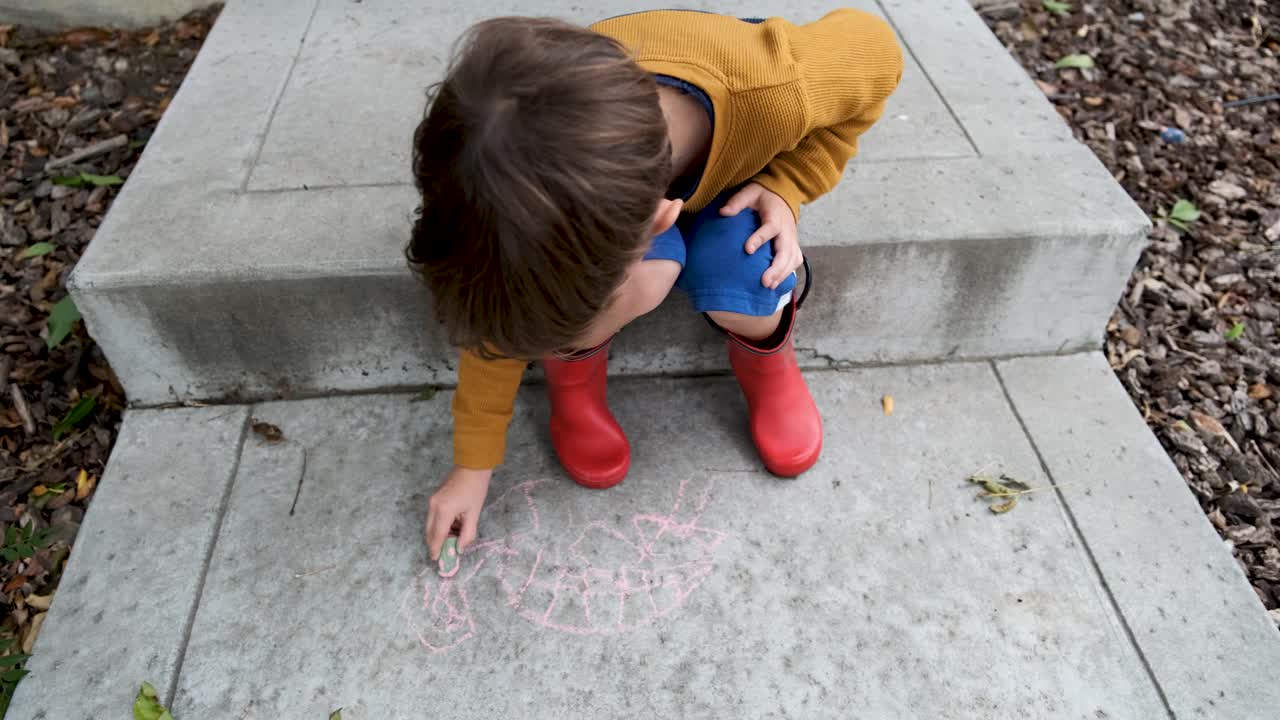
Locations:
302 475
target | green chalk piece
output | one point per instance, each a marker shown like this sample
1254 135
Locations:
449 557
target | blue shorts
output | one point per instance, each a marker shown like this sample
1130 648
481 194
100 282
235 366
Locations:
717 273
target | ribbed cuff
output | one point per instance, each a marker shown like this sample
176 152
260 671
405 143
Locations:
477 450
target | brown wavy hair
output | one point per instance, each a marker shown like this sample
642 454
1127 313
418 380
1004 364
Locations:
541 161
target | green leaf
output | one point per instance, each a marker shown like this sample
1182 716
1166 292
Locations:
1184 211
43 538
69 180
1053 6
1079 60
13 676
1235 332
336 714
81 410
147 705
62 318
13 659
40 248
9 554
101 180
1178 224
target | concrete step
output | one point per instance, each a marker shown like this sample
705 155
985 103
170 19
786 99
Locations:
254 580
257 250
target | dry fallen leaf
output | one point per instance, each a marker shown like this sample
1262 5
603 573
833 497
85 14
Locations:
1004 507
1261 391
1218 519
40 602
1003 487
33 631
267 431
1211 425
1128 358
887 403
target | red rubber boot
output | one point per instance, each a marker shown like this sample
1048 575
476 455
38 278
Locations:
591 445
785 424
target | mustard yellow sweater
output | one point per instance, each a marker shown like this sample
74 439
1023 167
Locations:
790 102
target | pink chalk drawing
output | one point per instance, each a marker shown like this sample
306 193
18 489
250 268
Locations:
614 577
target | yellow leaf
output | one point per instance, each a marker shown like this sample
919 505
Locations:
84 484
887 403
39 490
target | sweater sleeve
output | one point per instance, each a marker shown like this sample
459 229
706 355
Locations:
482 409
850 63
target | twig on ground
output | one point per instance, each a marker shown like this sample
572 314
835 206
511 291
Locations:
1251 100
94 150
57 450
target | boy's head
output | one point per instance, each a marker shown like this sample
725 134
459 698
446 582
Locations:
542 160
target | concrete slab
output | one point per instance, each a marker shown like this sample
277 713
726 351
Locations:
257 248
876 585
385 43
123 608
1183 597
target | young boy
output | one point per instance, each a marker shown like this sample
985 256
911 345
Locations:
570 177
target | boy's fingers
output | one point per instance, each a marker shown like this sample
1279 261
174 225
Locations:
771 275
468 534
437 531
740 200
783 265
761 236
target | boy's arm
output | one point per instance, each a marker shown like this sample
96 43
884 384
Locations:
851 63
482 409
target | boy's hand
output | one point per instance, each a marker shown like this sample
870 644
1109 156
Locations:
457 503
776 224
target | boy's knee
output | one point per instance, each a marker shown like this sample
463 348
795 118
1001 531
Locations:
751 327
649 284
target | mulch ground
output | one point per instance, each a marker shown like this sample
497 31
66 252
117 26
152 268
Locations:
1176 105
76 110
